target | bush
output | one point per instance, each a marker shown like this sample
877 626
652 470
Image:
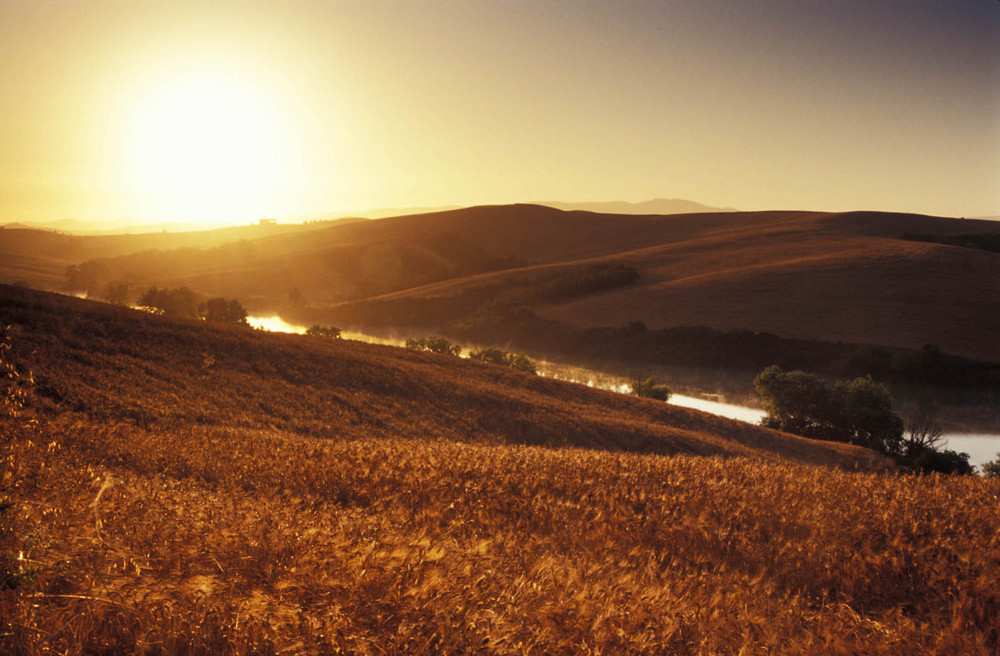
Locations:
324 331
223 310
944 462
992 469
503 358
181 303
650 388
88 277
116 293
434 345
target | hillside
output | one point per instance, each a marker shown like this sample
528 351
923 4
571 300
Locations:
853 277
109 362
198 489
39 257
838 277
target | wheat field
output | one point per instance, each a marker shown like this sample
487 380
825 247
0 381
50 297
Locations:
177 488
211 541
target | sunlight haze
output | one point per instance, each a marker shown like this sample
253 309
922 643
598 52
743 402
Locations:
234 111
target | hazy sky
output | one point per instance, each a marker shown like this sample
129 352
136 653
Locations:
238 110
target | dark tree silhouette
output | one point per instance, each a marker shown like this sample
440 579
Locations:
181 303
324 331
650 387
223 310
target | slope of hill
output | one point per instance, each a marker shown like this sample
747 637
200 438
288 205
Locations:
198 489
114 363
850 276
842 277
53 251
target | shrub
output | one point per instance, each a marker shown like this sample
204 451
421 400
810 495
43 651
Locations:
650 388
222 310
944 462
992 469
503 358
434 345
181 303
324 331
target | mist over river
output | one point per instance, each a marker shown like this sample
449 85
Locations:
982 447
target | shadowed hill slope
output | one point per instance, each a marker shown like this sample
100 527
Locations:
852 276
845 277
115 364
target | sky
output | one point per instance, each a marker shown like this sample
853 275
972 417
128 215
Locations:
232 111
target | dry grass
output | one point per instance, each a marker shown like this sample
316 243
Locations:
123 366
223 519
219 541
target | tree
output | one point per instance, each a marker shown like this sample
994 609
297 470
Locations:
181 303
490 355
650 387
867 415
992 469
944 462
87 277
434 345
503 358
858 412
116 293
795 402
923 431
222 310
324 331
521 362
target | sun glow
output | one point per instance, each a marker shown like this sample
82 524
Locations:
208 143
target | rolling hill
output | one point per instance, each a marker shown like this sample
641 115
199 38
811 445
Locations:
852 277
180 487
109 362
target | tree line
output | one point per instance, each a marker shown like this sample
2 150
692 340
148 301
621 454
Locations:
185 303
858 412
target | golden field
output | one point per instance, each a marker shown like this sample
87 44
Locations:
144 523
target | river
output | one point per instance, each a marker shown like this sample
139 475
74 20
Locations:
981 447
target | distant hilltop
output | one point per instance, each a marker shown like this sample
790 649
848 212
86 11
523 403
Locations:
655 206
120 226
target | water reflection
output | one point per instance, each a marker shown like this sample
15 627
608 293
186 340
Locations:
981 447
372 339
275 324
740 412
